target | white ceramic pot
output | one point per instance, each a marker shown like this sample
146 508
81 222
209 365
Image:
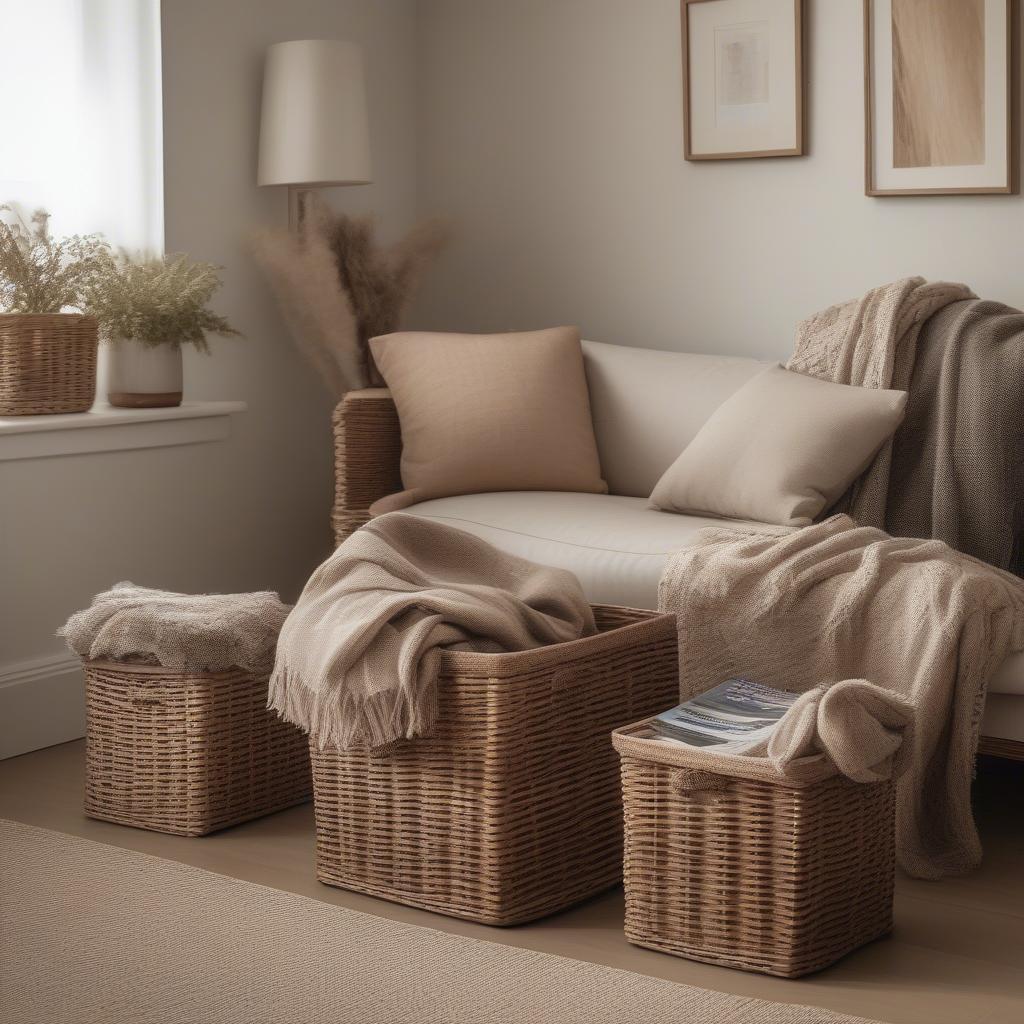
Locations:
143 376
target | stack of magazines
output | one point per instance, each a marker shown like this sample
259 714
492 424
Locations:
734 716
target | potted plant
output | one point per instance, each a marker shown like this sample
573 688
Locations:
47 350
147 308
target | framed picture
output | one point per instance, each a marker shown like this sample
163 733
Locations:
939 103
742 78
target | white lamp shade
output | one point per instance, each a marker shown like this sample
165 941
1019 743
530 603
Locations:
313 128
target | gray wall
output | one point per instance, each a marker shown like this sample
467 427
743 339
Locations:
251 512
551 132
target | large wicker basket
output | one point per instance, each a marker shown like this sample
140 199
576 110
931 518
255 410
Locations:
513 809
187 753
47 363
738 868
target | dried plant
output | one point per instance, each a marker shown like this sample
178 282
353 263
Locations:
159 300
338 288
379 282
40 274
304 277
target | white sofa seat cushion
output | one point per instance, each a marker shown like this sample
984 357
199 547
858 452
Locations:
615 545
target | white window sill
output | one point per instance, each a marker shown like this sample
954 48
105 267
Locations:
106 429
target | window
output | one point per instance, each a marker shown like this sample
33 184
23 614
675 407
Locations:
82 121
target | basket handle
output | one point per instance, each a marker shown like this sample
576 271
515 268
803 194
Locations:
692 780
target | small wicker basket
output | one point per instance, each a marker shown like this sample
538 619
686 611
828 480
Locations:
47 363
513 809
740 868
187 753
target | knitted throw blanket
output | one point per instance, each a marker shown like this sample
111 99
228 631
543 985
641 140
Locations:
189 632
958 459
357 661
872 342
836 601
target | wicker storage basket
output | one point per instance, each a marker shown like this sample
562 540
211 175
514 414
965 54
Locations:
187 753
47 363
513 809
781 877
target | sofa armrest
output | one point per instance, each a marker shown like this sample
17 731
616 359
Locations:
367 453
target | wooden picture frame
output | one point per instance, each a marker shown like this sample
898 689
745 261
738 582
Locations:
998 172
791 125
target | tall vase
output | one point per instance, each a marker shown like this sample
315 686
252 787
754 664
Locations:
143 376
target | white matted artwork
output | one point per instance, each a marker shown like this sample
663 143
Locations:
742 78
939 97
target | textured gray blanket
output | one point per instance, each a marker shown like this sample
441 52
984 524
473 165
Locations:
958 460
955 469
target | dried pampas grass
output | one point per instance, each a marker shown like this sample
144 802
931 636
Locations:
338 289
304 278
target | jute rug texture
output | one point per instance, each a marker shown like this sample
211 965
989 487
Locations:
93 934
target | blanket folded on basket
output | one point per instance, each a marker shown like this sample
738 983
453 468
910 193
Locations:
864 730
190 632
836 601
358 657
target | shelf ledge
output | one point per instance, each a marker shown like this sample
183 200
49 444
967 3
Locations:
106 429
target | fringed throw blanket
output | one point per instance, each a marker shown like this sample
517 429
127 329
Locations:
836 601
358 657
189 632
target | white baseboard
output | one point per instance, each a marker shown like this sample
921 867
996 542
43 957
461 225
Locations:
42 702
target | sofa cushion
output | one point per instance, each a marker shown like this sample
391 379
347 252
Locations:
615 545
648 406
489 412
780 450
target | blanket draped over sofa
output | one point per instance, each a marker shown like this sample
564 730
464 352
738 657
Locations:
835 601
955 470
357 660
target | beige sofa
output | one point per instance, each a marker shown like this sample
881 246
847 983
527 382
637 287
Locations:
647 405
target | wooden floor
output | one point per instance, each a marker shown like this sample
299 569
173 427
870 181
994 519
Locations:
957 956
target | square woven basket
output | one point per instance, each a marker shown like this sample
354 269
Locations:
187 753
513 809
777 876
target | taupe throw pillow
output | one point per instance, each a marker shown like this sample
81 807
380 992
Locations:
780 450
489 412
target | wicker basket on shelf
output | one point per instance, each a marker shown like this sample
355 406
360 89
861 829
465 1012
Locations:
512 810
741 868
47 363
187 753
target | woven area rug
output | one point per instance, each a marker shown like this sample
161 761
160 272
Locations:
98 935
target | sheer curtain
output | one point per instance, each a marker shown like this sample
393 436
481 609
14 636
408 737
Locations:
82 132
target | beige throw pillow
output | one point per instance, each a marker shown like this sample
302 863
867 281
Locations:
780 450
489 412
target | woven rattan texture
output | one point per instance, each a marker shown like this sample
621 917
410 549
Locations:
47 363
367 453
513 809
187 753
753 874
